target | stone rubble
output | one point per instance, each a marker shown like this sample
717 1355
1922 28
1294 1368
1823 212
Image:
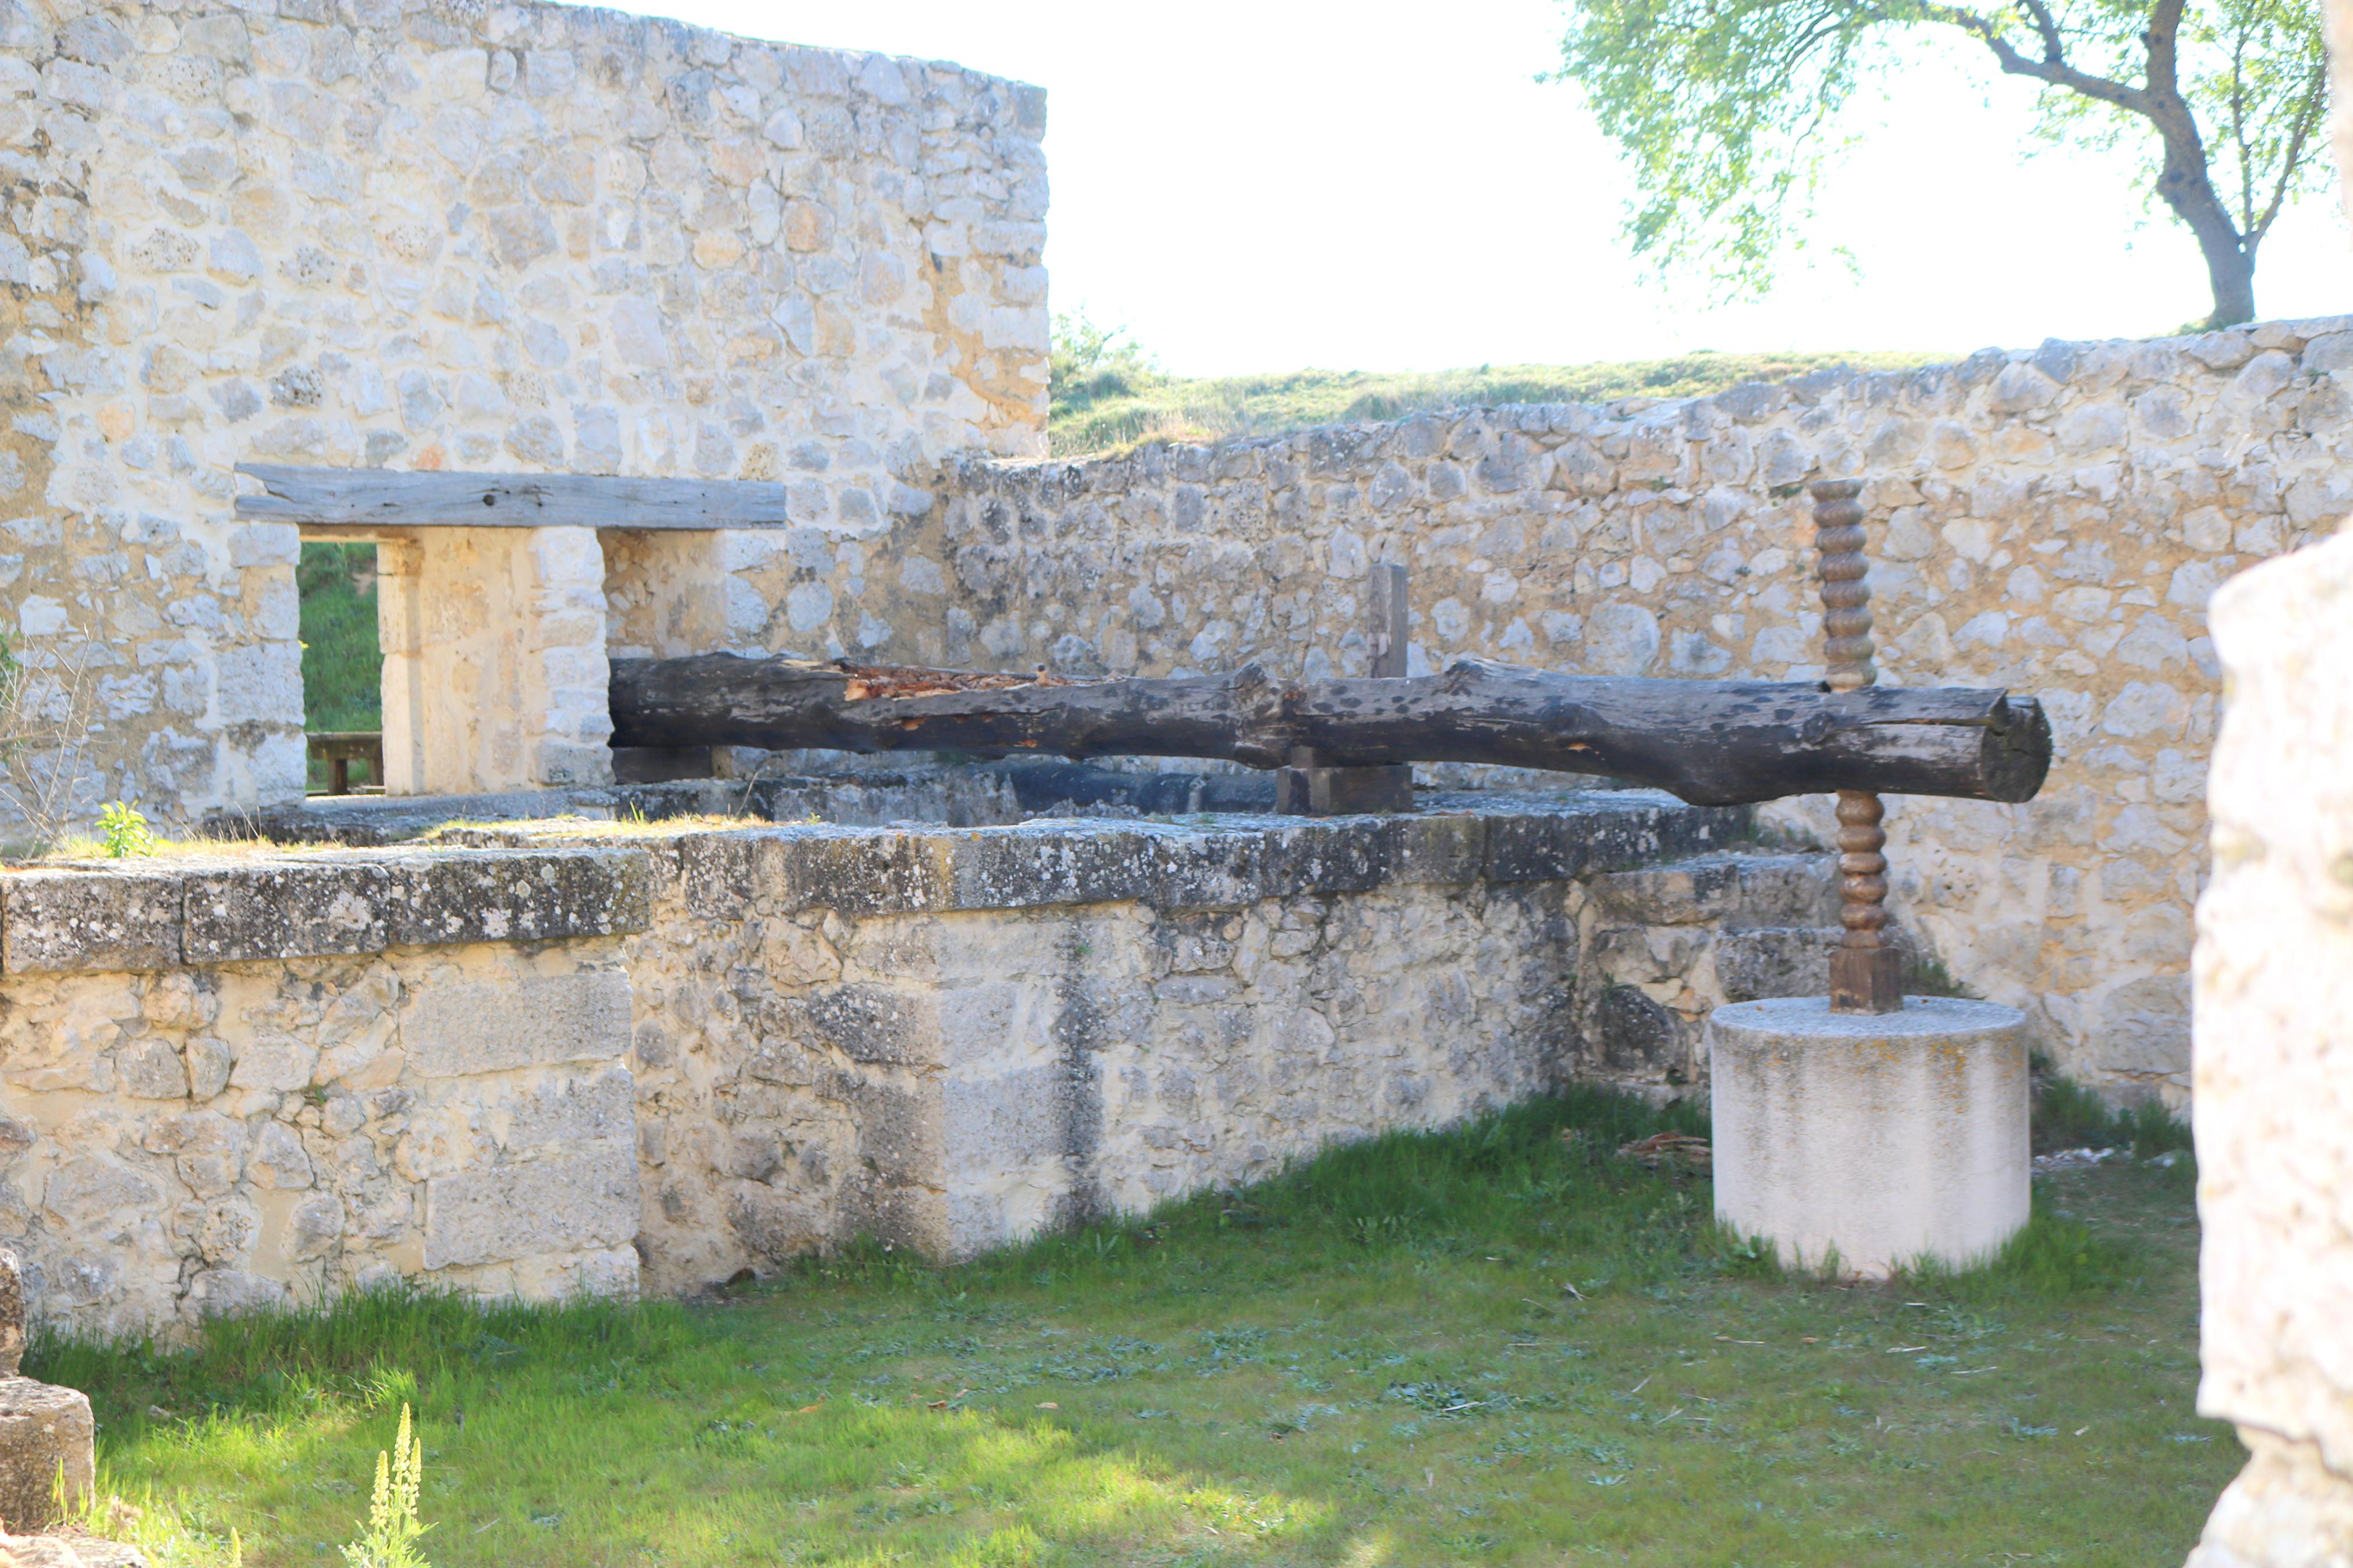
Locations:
48 1455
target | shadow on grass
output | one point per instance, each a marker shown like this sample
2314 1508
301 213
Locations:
1462 1191
873 1392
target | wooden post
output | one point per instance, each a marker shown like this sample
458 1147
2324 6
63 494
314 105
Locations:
1385 605
1866 973
1306 788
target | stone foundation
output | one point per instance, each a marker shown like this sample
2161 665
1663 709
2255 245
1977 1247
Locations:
568 1055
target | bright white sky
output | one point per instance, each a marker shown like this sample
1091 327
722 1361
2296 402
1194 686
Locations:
1364 184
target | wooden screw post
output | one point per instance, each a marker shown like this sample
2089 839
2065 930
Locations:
1306 787
1866 973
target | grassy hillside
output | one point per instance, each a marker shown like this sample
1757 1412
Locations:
1108 394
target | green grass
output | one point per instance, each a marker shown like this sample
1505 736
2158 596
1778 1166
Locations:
1372 1360
1118 403
342 664
342 661
2069 1116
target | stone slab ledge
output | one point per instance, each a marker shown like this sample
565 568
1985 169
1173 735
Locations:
1208 862
114 916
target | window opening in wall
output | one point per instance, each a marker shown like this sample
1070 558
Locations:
343 668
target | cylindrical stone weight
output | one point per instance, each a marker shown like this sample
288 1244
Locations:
1869 1141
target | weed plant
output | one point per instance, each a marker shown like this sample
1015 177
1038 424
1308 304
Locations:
1498 1345
123 831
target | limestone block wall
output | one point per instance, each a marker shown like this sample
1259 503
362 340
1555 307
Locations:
2275 1103
2052 521
950 1040
242 1084
502 236
573 1058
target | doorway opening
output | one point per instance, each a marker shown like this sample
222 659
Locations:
343 668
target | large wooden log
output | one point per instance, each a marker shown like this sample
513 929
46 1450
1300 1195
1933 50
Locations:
1712 742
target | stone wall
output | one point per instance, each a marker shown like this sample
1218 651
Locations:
498 1069
537 237
507 237
952 1040
2051 521
2275 1104
495 668
243 1083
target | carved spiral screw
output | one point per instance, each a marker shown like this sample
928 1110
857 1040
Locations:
1866 974
1863 869
1846 595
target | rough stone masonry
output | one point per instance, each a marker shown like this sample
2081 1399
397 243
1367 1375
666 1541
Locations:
540 237
464 236
647 1058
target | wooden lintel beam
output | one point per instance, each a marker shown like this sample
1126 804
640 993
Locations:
382 499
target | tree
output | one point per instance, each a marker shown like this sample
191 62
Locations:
1727 108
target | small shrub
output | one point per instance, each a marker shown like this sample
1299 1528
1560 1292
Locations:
46 718
2149 1129
2069 1116
124 832
1090 364
393 1526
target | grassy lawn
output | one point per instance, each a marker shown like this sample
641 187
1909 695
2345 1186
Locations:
1371 1361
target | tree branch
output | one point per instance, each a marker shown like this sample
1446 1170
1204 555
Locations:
2162 43
2308 116
2239 130
2055 50
2052 67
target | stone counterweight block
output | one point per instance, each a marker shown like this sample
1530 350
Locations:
1871 1140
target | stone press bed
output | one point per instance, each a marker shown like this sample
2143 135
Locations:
569 1056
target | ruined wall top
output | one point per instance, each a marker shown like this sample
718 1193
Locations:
463 236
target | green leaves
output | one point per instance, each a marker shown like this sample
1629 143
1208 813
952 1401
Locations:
1726 110
124 830
1723 108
